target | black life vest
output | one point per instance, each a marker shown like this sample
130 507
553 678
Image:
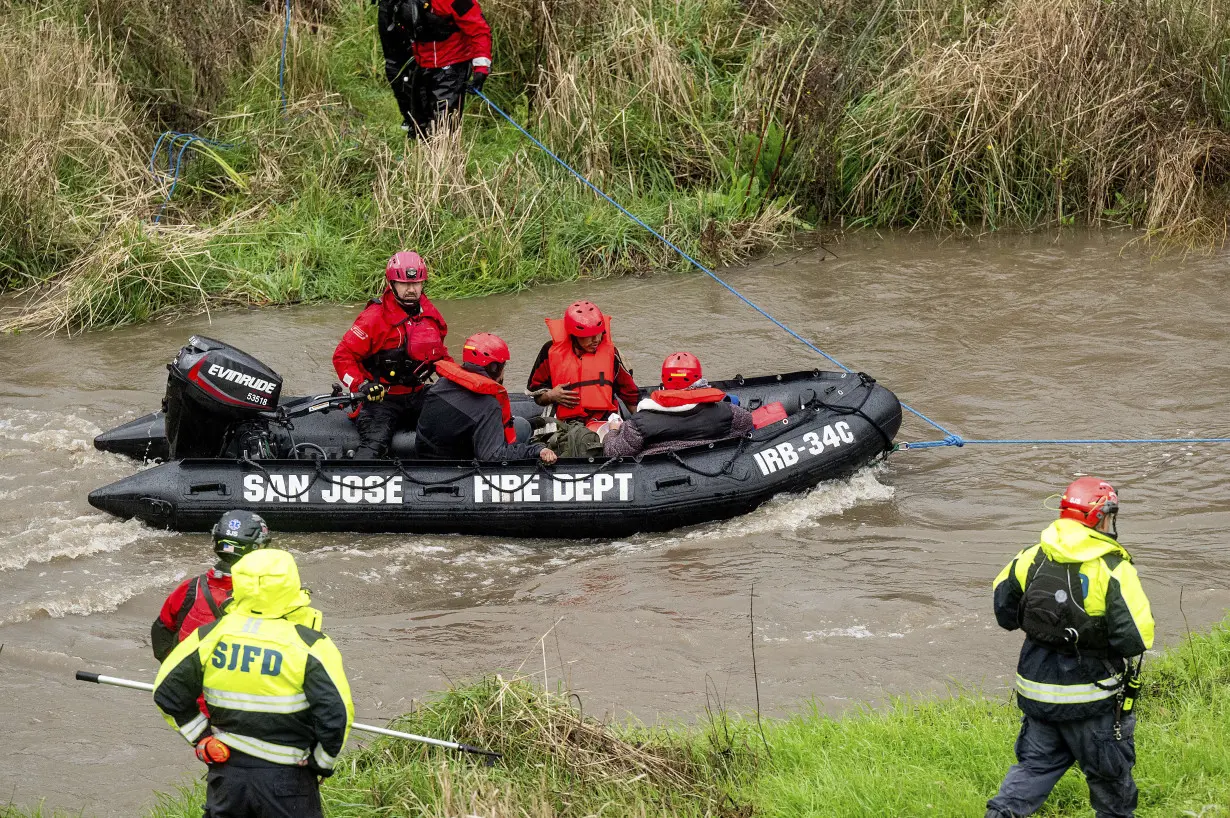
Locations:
425 25
1053 610
705 421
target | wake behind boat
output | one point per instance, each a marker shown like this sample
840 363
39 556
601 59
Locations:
232 443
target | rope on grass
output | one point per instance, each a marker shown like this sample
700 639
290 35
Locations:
172 139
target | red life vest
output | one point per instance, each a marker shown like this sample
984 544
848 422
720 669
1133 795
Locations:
482 385
204 608
682 397
593 376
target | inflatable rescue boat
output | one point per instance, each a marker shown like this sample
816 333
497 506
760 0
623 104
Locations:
230 442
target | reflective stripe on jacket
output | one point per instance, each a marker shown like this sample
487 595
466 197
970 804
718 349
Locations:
274 683
1057 687
592 376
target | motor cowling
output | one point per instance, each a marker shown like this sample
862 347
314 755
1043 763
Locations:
210 387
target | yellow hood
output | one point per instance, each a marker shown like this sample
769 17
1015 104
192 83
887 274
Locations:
266 584
1068 541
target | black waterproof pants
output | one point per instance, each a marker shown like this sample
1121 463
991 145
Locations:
251 788
1046 749
423 94
378 422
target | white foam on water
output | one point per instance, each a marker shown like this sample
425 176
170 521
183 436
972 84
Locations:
102 598
49 539
54 433
852 632
794 511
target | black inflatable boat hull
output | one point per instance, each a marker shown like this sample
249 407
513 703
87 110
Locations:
842 423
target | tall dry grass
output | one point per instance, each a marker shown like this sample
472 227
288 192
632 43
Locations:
726 124
72 142
1049 112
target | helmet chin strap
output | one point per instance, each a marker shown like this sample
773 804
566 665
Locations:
412 308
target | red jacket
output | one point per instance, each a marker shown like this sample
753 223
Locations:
385 325
453 31
174 624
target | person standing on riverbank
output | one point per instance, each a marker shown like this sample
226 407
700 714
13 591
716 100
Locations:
389 354
279 703
580 373
434 51
199 600
1077 596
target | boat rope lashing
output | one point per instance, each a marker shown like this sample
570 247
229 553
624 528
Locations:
446 481
727 468
580 477
868 382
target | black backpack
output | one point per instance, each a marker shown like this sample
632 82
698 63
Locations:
1053 612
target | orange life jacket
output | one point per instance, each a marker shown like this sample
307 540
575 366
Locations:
591 375
682 397
482 385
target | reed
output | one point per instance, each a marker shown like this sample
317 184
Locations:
729 126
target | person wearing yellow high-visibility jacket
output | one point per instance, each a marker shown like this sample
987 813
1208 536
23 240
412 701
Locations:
1077 596
279 703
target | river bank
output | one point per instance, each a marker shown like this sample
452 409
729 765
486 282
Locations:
731 127
941 756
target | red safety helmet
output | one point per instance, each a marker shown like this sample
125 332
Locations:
680 370
483 349
406 266
1088 500
584 320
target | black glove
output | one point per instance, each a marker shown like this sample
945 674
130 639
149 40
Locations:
371 391
319 771
476 81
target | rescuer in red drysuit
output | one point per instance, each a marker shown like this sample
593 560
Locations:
199 600
431 49
389 354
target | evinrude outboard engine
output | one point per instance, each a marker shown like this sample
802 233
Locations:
215 395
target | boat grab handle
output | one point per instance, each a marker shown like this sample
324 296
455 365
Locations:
673 481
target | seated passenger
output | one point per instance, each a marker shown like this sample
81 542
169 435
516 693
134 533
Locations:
466 414
579 371
686 409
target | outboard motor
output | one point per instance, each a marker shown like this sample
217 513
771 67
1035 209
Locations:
215 394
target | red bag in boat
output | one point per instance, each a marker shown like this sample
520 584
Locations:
768 414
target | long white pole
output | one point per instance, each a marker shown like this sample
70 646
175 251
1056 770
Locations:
116 681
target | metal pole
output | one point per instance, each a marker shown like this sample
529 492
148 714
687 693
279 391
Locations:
115 681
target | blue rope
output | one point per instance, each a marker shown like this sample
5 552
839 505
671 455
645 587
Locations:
953 440
175 159
282 64
693 261
173 139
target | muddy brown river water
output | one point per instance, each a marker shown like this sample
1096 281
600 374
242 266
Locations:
866 588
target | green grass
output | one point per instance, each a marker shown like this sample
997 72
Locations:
937 757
